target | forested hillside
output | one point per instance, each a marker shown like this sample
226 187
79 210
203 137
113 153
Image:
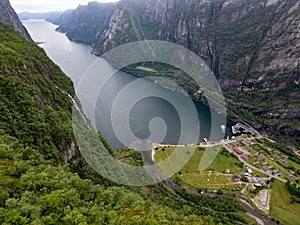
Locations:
43 180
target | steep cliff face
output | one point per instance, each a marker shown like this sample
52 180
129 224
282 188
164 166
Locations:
84 23
8 16
35 124
251 46
242 41
61 18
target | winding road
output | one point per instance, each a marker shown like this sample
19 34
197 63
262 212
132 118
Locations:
148 157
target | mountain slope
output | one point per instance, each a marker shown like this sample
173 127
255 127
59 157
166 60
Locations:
86 21
36 137
251 46
31 102
35 134
8 16
62 18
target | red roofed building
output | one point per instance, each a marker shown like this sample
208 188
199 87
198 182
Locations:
251 156
235 144
238 151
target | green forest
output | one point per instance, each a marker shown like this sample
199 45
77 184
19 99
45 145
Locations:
39 186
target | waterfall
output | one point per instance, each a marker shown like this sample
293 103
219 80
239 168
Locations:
78 110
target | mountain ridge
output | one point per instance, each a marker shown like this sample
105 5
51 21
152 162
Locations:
8 16
39 186
77 24
43 179
251 46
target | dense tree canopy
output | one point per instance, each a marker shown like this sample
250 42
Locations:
35 130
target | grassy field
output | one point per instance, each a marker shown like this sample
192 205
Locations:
215 176
249 149
220 164
257 173
291 163
206 180
280 207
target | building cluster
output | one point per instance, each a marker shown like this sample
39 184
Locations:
261 163
244 155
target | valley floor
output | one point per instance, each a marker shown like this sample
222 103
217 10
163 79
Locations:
246 167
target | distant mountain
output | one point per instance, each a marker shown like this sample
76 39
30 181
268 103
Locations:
61 18
8 16
251 46
55 17
39 16
85 22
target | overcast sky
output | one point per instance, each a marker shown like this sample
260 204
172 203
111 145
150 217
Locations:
49 5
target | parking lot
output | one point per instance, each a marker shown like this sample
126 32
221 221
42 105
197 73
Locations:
262 200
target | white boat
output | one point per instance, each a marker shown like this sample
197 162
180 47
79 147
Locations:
223 127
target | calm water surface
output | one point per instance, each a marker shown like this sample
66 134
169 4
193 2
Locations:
152 116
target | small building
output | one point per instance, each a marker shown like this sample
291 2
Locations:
251 156
257 185
236 145
277 152
256 163
238 151
265 168
270 167
249 171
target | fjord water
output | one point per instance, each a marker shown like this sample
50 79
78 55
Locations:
74 59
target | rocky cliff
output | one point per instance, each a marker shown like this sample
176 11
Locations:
86 22
8 16
36 126
61 18
243 41
252 47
